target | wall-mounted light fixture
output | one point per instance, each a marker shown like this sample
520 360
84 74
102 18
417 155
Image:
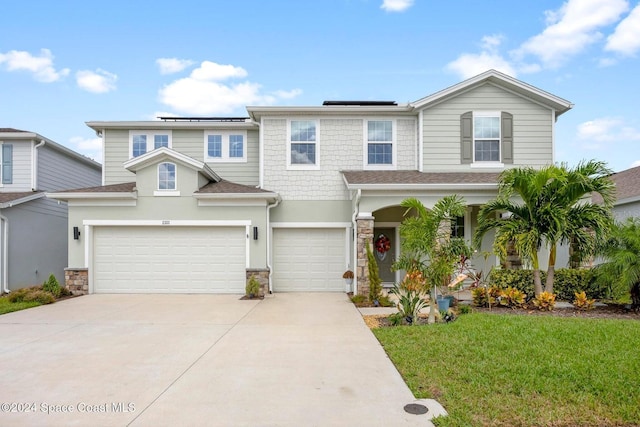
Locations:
255 233
76 233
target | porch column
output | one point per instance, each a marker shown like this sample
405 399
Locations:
364 235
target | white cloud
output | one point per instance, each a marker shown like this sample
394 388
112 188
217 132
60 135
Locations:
41 66
626 37
396 5
172 65
471 64
90 147
202 92
635 164
99 81
571 29
598 133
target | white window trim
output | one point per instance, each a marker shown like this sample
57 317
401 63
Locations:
150 137
295 166
366 142
225 147
486 163
172 192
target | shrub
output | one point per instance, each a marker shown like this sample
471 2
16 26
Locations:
464 309
358 299
521 280
18 295
52 286
410 303
414 281
545 301
582 302
43 297
384 301
513 298
485 297
396 319
253 287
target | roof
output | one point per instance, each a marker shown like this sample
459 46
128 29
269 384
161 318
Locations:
413 179
172 123
226 187
627 186
10 133
126 187
165 153
8 200
504 81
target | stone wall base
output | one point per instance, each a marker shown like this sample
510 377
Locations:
76 280
262 275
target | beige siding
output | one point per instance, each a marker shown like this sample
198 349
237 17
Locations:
21 167
532 128
186 141
340 147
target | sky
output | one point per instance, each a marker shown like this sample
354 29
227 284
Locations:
67 62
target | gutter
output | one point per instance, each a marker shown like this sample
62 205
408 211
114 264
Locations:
355 240
34 165
5 254
269 266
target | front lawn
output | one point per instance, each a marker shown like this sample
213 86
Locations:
7 307
506 370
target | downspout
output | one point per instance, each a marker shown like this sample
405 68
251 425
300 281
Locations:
269 207
355 240
34 166
5 254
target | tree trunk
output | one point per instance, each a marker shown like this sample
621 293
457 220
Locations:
433 306
635 297
551 269
537 282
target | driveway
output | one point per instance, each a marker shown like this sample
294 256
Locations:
150 360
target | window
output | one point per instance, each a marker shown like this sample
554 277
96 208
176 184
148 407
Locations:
457 227
225 146
303 143
486 138
6 163
144 141
379 144
166 176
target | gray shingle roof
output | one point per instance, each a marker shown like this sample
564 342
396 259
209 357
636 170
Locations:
415 177
127 187
12 130
10 197
627 184
228 187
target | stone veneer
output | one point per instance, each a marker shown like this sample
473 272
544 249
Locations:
262 275
364 235
77 280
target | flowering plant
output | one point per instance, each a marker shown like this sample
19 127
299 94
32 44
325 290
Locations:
382 244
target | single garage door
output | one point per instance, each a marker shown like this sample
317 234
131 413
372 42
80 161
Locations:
308 259
169 259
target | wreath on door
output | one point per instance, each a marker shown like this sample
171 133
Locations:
382 245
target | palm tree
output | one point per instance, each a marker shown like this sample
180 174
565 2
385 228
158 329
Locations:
551 208
622 255
427 245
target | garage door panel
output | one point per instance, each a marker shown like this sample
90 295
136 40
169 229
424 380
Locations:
169 259
308 259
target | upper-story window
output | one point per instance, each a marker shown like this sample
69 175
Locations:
141 142
486 138
380 147
303 144
225 146
167 176
6 163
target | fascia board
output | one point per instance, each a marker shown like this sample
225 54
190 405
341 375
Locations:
89 195
21 200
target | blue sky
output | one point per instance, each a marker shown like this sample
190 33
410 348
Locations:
67 62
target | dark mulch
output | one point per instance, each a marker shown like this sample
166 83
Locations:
246 297
610 311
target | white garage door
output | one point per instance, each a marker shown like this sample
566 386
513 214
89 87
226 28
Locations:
169 259
308 259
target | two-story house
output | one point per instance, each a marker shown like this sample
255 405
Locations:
33 229
293 194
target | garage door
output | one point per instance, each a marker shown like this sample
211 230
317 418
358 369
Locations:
308 259
169 259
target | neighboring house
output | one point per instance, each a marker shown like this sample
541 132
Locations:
627 202
293 194
33 229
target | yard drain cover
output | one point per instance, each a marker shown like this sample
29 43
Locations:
416 409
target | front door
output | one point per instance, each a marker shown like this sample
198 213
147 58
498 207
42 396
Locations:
384 249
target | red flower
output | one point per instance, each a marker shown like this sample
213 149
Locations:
382 244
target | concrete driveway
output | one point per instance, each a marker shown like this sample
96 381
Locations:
151 360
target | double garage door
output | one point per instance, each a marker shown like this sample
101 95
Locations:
169 259
309 259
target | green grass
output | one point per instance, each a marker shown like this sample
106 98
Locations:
8 307
502 370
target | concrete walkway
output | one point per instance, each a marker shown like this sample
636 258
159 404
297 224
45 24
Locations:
167 360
